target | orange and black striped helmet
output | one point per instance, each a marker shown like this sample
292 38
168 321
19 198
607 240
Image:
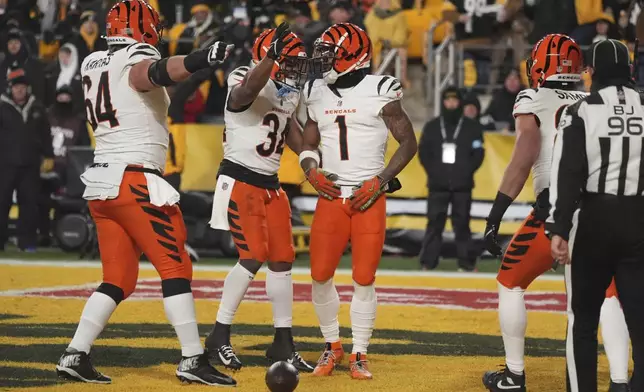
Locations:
133 21
291 68
556 58
342 48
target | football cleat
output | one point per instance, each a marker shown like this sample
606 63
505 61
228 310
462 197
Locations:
197 369
504 380
358 367
299 363
333 354
77 366
615 387
224 355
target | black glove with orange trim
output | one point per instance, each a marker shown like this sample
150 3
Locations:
367 193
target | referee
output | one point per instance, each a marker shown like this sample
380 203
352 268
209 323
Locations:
598 167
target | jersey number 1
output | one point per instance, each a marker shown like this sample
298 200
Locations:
342 126
97 114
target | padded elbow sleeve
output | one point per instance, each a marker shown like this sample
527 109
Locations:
158 73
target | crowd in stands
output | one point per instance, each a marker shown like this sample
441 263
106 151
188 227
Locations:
48 40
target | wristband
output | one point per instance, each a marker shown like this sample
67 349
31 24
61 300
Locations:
501 204
196 60
309 154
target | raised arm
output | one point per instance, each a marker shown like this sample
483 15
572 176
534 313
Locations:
149 74
247 91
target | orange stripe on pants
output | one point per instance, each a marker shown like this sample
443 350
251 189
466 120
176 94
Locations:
129 225
528 257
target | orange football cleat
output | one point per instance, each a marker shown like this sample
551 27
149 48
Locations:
332 355
359 368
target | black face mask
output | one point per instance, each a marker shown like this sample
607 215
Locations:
452 116
63 108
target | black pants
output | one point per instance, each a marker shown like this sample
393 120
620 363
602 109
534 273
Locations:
437 206
26 181
609 242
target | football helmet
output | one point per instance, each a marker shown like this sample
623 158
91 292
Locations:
133 21
556 58
342 48
292 66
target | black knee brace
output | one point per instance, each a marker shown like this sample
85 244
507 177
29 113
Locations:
175 286
114 292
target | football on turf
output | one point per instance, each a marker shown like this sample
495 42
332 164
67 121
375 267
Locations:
282 377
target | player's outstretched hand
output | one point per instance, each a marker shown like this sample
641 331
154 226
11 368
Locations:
367 193
218 52
323 183
279 41
490 240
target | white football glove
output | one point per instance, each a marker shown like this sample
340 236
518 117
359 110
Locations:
219 52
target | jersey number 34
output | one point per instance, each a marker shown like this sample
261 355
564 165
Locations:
103 110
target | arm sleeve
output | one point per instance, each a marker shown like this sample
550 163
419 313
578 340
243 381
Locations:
388 89
568 173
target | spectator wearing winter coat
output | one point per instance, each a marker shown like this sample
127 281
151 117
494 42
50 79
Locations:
17 55
65 72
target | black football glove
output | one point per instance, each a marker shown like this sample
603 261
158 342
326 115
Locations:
218 52
278 43
490 240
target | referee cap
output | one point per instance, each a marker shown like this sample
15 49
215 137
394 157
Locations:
609 59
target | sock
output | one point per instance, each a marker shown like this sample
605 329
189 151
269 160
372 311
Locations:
326 302
180 310
616 339
363 316
279 289
513 319
235 286
98 309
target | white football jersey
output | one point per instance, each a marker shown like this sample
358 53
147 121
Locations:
255 135
130 127
547 105
353 136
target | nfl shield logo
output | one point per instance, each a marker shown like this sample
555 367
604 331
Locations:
224 186
339 103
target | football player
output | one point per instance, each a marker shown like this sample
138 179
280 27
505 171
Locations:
350 114
135 210
248 200
554 68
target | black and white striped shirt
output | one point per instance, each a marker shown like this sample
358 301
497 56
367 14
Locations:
598 150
